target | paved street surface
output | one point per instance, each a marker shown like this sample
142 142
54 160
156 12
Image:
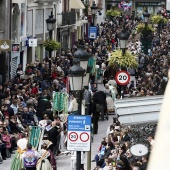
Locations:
6 164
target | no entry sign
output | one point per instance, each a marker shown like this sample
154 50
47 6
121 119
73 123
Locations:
79 132
122 77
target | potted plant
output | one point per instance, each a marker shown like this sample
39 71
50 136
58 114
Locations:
144 29
51 45
112 13
118 60
157 19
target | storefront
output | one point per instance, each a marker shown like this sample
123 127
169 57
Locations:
63 38
140 6
39 49
152 7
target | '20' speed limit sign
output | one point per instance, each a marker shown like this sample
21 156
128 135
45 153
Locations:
122 77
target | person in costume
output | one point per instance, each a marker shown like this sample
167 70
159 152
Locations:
52 158
52 135
44 161
17 163
30 158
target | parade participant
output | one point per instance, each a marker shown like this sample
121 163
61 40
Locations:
99 99
17 163
44 161
30 158
52 135
48 143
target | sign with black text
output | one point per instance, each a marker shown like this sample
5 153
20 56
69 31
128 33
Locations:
122 77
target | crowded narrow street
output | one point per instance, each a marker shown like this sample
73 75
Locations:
84 85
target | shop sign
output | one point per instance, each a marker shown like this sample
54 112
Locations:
93 32
5 45
32 42
148 4
15 47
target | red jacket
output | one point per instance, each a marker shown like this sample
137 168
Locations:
34 90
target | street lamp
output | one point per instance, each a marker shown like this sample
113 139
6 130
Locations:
123 38
94 10
76 74
146 16
82 56
87 77
159 24
50 27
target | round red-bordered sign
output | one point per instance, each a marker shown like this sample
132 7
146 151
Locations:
83 140
73 136
122 77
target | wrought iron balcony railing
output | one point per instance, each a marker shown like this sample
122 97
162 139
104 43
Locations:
66 18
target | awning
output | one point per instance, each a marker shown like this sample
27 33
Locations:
76 4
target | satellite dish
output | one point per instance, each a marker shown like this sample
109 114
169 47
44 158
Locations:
139 149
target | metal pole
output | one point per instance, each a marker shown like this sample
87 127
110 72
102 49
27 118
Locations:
93 18
146 45
50 35
78 156
89 159
89 153
122 91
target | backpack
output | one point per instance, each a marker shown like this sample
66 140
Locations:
30 159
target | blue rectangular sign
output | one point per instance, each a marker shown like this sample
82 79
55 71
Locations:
93 32
79 123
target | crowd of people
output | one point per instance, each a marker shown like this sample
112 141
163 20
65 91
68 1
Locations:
27 100
114 153
150 79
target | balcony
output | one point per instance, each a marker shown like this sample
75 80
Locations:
66 18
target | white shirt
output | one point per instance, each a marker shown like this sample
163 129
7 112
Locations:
43 123
15 108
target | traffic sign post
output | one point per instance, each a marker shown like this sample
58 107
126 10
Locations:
122 77
79 133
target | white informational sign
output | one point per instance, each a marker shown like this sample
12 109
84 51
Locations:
79 133
32 42
168 5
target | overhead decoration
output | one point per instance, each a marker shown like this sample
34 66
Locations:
125 6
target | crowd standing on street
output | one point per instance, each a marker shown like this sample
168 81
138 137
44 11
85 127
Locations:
27 100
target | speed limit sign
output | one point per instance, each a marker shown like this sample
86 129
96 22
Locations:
122 77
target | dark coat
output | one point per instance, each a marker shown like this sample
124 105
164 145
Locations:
43 104
10 111
126 138
107 152
99 97
125 161
52 135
